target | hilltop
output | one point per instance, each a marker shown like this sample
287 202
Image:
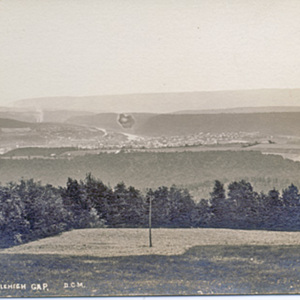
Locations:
242 110
33 115
263 123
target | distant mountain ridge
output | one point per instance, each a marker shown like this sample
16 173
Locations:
168 102
242 110
38 116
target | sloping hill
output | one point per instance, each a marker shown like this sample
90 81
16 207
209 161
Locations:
110 121
16 134
10 123
103 120
24 116
60 116
37 116
265 123
274 123
242 110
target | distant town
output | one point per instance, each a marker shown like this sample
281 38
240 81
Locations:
102 140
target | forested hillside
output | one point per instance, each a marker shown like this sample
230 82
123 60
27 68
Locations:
264 123
10 123
194 170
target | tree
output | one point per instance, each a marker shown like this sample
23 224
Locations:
13 225
135 207
160 206
181 206
78 202
273 199
98 196
43 208
243 204
172 207
290 196
202 215
291 209
218 205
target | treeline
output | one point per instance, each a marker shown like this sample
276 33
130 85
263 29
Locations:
243 208
30 210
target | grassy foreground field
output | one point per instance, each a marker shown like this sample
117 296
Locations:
182 261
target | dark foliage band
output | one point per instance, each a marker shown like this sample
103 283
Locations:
30 210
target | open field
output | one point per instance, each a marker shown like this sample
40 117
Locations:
103 262
109 242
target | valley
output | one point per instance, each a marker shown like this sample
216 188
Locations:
190 147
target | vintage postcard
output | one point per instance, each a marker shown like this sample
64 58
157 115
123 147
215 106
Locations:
149 147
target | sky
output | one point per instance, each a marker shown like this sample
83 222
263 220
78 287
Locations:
103 47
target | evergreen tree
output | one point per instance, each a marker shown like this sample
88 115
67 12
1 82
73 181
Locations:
43 208
77 198
203 215
182 207
218 204
160 206
243 205
128 207
291 210
14 227
290 196
99 197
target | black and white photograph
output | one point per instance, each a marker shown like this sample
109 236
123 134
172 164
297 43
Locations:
149 148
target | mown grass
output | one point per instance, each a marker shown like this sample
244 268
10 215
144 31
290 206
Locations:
108 242
200 270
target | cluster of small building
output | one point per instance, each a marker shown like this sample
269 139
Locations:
167 141
118 141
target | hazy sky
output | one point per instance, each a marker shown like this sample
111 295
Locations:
94 47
